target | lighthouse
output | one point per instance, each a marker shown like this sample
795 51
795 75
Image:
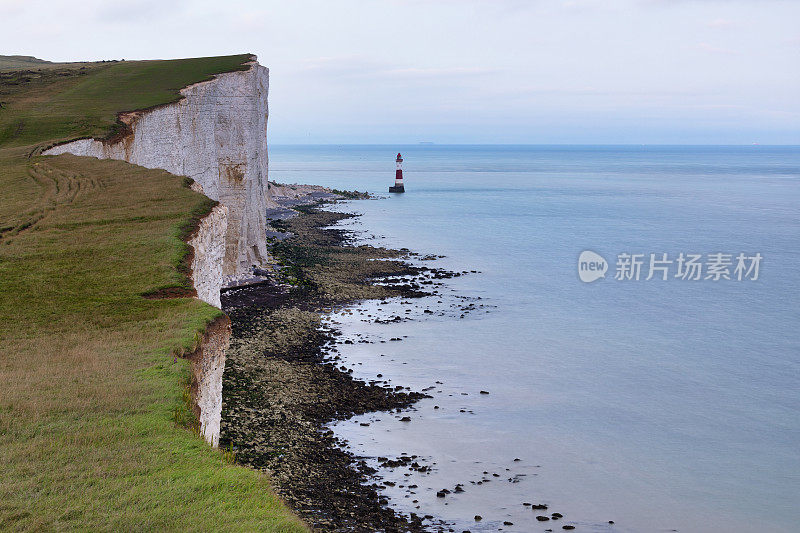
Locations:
398 176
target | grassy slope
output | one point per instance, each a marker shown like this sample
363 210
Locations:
25 62
91 392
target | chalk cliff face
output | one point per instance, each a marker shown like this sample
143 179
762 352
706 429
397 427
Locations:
216 135
208 257
208 360
208 364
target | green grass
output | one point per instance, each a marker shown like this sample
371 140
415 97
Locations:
88 437
86 103
22 62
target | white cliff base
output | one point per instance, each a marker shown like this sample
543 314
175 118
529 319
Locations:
216 135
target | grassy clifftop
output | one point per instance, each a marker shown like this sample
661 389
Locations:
91 388
80 100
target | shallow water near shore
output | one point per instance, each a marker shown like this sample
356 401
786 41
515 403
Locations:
659 405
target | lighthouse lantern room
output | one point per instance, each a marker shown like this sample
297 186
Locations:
398 176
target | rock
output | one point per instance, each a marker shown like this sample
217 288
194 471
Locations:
274 432
542 518
507 523
215 134
405 419
487 392
478 518
556 516
441 494
539 506
567 527
208 258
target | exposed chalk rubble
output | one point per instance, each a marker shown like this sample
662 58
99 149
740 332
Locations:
216 135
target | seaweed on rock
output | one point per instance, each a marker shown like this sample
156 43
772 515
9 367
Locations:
280 389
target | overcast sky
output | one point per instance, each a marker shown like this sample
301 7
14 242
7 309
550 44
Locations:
467 71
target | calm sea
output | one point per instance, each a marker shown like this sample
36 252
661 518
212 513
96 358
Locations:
659 405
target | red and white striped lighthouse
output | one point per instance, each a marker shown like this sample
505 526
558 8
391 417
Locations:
398 176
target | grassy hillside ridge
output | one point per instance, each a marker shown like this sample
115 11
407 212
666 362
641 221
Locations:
93 394
86 102
14 62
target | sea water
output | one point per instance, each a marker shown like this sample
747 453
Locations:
657 404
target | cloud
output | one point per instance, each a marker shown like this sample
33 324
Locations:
721 23
339 66
595 91
12 8
710 48
436 72
135 11
362 67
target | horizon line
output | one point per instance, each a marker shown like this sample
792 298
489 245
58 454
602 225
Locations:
522 144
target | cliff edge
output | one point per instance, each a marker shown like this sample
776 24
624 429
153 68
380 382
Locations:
93 413
216 135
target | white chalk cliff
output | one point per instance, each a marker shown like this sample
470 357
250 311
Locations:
208 254
208 365
216 135
208 359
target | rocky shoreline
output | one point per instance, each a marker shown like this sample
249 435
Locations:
282 386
